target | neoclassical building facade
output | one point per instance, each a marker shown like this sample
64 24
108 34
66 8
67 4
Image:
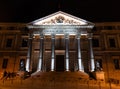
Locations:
61 42
59 36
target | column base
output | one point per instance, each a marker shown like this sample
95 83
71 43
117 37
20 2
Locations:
24 74
81 70
38 71
67 71
99 75
52 70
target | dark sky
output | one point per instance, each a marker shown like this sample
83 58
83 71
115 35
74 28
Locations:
29 10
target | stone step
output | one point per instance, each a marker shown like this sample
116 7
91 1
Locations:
60 75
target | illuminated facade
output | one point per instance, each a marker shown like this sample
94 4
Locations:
55 33
61 42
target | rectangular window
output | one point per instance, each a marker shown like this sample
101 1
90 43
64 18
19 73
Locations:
5 62
24 42
116 63
112 42
22 65
9 43
95 42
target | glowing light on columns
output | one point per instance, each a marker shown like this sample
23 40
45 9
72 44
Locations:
92 66
40 54
67 64
67 52
29 54
52 64
39 65
27 64
53 53
80 65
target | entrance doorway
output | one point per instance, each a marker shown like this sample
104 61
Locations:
59 63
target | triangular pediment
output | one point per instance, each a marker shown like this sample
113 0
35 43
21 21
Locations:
60 18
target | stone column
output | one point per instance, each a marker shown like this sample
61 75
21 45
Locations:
39 68
92 64
67 52
28 61
80 64
53 52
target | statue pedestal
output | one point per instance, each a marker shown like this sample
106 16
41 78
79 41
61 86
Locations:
99 75
23 74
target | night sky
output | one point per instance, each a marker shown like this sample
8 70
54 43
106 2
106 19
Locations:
30 10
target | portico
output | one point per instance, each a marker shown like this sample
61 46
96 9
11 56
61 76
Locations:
63 26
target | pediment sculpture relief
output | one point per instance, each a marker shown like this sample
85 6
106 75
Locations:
60 20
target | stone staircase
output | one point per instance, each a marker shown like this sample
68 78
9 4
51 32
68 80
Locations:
60 75
54 80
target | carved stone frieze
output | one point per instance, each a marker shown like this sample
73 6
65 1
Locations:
60 20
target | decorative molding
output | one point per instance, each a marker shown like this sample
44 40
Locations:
60 20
